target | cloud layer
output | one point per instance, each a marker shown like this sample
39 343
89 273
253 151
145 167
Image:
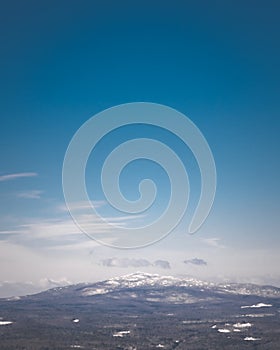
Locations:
131 262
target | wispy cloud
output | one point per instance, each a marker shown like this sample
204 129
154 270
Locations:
213 242
196 261
33 194
61 231
83 206
9 177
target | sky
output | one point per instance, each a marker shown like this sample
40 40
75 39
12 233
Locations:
63 62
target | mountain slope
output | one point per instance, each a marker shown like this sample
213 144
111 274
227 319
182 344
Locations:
144 311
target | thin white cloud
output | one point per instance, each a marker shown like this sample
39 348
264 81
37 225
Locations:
8 232
61 227
33 194
81 206
213 242
62 231
85 212
9 177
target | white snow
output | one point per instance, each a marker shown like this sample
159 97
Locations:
140 279
76 320
256 306
13 298
242 325
121 334
215 326
95 291
251 338
221 330
259 315
160 346
192 322
5 323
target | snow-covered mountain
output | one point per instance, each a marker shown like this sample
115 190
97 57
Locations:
145 311
140 281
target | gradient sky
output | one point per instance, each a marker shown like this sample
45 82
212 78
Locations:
217 62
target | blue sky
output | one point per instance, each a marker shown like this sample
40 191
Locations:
216 62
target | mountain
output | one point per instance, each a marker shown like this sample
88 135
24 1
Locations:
144 311
146 280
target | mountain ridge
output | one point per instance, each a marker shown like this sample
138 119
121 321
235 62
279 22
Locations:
143 280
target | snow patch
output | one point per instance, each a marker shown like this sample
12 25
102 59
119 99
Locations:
121 334
259 315
223 330
251 338
242 325
13 298
256 306
5 323
95 291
